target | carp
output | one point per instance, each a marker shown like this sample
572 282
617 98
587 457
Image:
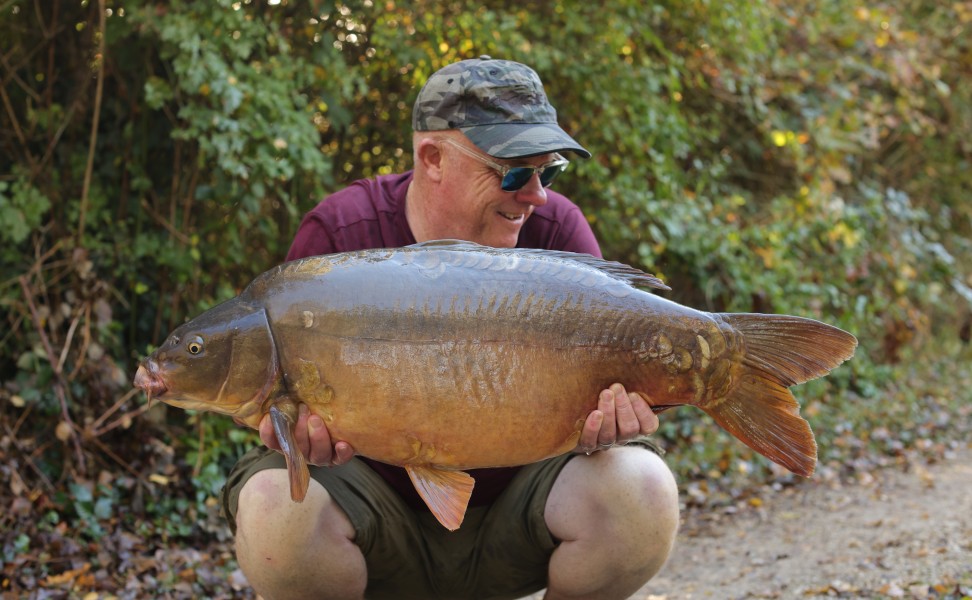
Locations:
447 355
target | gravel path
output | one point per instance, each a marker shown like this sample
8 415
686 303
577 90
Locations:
896 534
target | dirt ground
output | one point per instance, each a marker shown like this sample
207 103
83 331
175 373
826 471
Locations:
895 534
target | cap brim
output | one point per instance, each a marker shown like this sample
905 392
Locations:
522 140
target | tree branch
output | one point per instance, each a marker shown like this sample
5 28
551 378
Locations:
60 385
99 91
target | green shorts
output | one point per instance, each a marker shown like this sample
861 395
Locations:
501 550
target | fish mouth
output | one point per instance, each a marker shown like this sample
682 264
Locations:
147 378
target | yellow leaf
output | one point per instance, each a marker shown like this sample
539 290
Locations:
159 479
767 255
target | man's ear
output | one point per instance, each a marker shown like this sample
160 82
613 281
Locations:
428 157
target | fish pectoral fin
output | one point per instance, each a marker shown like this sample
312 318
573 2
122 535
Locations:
446 493
283 426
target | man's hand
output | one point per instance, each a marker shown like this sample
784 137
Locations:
313 440
620 417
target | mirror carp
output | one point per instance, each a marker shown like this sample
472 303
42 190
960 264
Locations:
448 355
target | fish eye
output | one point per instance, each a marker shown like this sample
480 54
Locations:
195 345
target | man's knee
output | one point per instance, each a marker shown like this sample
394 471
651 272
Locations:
657 483
620 507
288 549
623 479
643 496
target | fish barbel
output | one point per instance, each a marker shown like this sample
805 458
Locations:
447 355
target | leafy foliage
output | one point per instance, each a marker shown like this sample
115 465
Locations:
801 157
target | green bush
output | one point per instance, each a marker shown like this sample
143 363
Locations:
808 158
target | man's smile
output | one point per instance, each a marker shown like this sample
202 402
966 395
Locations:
515 217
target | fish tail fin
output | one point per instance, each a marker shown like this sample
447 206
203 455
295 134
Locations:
283 427
781 351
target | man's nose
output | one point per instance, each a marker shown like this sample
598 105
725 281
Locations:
533 192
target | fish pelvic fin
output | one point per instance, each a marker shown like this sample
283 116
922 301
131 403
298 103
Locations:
781 351
446 493
283 426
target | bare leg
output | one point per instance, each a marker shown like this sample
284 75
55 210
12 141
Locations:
290 550
616 513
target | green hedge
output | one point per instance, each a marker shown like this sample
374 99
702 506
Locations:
798 157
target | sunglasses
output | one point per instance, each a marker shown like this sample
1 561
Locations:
515 178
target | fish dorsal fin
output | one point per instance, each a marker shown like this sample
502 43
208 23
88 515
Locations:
620 271
446 493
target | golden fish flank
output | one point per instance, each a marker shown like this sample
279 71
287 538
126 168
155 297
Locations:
429 357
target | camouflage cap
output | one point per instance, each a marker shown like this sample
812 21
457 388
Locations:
500 106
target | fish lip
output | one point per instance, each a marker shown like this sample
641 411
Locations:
150 380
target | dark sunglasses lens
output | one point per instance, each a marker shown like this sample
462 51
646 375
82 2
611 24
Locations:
516 178
548 175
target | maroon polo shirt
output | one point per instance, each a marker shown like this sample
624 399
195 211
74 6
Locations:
370 213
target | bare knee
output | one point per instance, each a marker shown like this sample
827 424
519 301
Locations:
660 507
296 550
617 514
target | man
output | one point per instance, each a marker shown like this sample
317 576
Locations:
597 523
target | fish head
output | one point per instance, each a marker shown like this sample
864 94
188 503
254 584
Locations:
224 361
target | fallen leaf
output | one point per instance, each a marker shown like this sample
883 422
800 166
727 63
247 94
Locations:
17 484
66 576
63 431
892 590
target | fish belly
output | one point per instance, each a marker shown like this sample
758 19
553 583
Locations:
459 404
